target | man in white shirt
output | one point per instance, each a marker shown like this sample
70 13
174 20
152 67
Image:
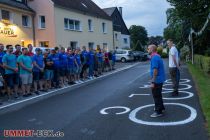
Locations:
174 66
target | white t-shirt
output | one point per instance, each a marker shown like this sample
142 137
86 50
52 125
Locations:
173 51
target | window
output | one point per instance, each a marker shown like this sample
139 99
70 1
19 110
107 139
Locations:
91 45
66 23
42 23
116 36
90 25
5 15
125 41
104 27
73 45
70 24
105 46
44 44
26 21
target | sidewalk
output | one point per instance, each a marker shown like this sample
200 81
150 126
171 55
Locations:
22 101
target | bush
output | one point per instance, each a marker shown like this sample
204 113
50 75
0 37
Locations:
164 55
203 63
160 50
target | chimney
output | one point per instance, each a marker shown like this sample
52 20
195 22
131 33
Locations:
120 10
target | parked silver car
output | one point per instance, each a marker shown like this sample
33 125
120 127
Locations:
124 55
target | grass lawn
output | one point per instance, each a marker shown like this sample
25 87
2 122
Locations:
203 86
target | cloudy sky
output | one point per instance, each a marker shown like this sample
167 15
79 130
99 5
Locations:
148 13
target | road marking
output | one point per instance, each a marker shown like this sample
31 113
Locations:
44 94
138 95
193 115
187 87
178 98
146 86
103 111
138 77
182 81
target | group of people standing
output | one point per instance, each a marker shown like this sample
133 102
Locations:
30 72
157 74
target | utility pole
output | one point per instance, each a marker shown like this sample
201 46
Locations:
191 40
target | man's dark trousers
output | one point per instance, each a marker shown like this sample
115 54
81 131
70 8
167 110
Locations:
175 77
157 96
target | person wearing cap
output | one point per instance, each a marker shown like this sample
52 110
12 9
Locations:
38 70
26 69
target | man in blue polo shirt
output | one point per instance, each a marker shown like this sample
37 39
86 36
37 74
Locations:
38 70
157 74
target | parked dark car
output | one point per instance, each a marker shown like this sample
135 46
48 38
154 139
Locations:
139 56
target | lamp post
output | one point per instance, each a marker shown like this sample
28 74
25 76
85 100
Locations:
192 48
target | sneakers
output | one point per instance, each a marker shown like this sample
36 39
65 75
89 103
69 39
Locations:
155 115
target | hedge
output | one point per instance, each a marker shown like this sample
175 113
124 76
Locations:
202 62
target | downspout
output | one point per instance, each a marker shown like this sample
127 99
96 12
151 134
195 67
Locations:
34 33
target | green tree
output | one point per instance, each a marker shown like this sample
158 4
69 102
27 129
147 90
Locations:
184 15
139 37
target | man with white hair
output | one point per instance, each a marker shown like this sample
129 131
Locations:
157 74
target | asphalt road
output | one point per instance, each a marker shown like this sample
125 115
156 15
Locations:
81 113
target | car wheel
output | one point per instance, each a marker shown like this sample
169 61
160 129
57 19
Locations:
123 60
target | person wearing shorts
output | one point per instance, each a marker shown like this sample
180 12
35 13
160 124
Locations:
48 71
25 63
11 71
78 66
100 62
56 68
38 70
63 66
71 67
84 59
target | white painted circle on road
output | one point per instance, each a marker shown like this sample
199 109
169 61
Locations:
187 87
193 114
182 81
178 98
103 111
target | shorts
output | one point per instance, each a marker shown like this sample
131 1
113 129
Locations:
113 63
85 67
78 70
48 74
100 65
37 76
12 79
63 72
26 78
71 70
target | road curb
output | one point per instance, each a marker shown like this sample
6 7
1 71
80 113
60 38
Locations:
8 107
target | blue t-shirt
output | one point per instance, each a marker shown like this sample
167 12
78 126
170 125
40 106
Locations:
157 63
63 60
1 57
91 58
55 59
27 62
39 61
71 59
113 57
85 56
100 57
78 59
11 61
